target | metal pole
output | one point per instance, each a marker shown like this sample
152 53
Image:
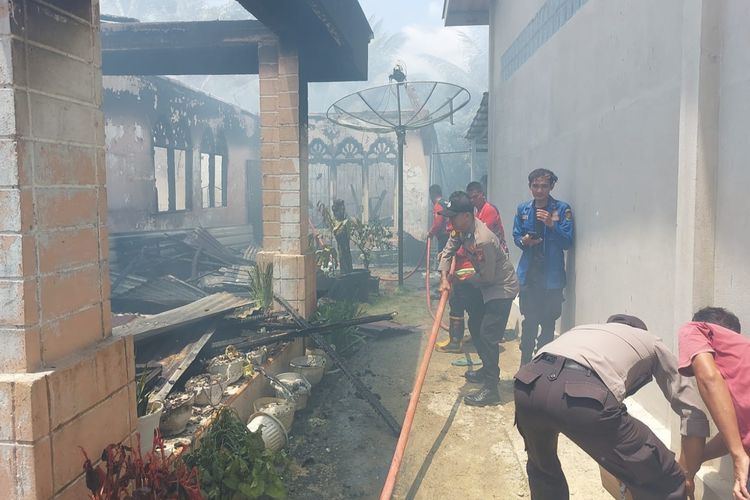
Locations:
401 135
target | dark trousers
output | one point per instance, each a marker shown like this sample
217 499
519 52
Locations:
460 292
487 325
540 309
553 399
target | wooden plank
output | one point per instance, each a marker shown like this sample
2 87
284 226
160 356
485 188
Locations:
187 360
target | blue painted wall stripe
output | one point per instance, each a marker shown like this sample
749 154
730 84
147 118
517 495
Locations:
546 22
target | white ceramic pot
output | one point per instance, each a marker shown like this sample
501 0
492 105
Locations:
147 425
230 370
177 412
320 352
208 389
281 408
271 430
297 384
312 367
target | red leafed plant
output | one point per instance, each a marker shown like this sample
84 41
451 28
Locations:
128 476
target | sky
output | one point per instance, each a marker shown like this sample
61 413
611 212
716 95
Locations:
421 23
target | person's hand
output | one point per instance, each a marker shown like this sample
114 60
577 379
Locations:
690 488
445 285
689 478
545 217
528 241
741 465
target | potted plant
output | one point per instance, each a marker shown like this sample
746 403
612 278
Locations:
261 286
149 414
125 473
233 462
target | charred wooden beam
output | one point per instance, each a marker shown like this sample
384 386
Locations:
363 390
182 48
259 341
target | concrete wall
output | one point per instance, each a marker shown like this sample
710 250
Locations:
599 104
64 382
132 107
732 273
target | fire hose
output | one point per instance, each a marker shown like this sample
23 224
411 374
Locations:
403 438
427 290
419 264
426 256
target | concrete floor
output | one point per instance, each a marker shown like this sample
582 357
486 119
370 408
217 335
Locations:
341 448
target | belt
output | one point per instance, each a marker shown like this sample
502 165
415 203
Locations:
569 364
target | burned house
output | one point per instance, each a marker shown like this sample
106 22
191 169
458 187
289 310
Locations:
360 168
178 158
65 379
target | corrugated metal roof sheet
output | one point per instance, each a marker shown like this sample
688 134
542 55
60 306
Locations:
478 128
166 290
207 307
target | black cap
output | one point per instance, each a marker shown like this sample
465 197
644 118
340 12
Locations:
459 202
626 319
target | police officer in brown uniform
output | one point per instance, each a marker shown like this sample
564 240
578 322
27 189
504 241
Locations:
488 299
576 386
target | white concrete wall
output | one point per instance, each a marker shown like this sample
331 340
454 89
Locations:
732 272
599 104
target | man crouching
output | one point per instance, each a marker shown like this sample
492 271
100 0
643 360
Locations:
576 386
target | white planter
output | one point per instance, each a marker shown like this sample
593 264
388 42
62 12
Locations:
177 412
271 430
147 424
230 370
312 367
208 389
281 408
297 384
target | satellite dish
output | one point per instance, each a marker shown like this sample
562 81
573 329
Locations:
399 107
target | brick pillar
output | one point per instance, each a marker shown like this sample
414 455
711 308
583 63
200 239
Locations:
284 158
64 381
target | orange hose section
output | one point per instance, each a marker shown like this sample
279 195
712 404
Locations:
398 455
427 291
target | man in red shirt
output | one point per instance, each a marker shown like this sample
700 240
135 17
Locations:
487 213
438 229
712 349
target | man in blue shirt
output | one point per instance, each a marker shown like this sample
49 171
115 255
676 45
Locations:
543 229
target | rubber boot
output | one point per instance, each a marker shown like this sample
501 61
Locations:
456 333
488 395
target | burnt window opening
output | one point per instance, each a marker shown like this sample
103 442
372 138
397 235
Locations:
213 172
172 167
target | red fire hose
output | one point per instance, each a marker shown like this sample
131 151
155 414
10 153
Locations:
410 274
427 292
398 455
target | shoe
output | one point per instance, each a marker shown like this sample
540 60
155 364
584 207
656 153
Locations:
485 396
475 376
442 343
453 347
510 335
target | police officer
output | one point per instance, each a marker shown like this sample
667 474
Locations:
489 214
576 386
543 229
492 287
